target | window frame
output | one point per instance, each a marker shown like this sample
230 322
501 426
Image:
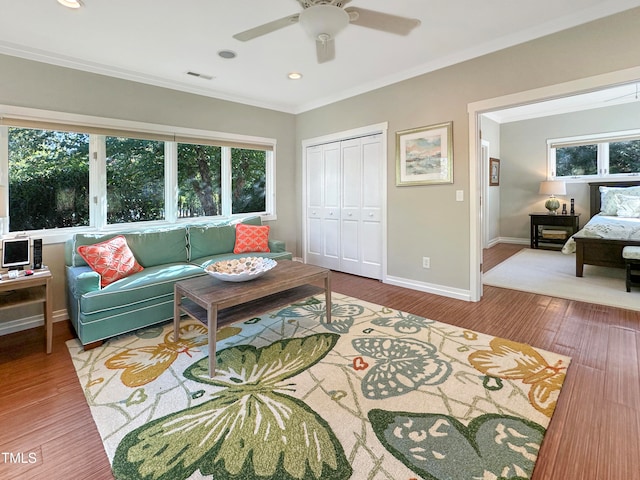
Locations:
602 140
171 135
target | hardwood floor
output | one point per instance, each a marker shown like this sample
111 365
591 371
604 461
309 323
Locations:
594 435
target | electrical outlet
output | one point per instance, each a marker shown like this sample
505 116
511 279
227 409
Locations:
426 262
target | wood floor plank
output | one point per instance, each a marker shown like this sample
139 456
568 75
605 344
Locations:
580 442
593 434
620 437
623 376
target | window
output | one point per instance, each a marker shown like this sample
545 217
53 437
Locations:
88 176
248 180
603 156
199 180
48 179
624 157
135 180
574 161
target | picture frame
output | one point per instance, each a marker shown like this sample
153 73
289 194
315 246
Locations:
424 156
494 172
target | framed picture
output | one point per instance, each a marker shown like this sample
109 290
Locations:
424 156
494 172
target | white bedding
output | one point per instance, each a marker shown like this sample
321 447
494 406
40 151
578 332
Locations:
605 226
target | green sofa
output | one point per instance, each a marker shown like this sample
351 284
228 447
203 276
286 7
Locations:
146 298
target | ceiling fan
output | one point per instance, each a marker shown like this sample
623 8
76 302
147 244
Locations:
324 19
635 94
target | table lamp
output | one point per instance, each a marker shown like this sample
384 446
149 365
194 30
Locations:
552 188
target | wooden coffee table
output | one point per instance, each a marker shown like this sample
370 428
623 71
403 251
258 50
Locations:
203 297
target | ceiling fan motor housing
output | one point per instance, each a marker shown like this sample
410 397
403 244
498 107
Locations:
311 3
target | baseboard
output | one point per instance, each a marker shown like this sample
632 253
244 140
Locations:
514 240
443 291
34 321
493 242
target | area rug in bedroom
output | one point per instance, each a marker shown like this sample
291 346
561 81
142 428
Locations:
377 394
553 273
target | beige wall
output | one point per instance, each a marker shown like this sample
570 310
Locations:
422 221
37 85
426 220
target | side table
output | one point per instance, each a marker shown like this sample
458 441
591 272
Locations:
569 223
28 289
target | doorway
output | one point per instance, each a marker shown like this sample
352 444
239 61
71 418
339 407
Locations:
533 99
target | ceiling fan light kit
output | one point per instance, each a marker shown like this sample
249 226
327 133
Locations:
323 20
71 3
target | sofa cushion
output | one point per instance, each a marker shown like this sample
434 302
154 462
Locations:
112 259
153 282
157 247
251 238
208 240
150 247
211 240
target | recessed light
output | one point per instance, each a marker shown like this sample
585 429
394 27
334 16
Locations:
227 54
71 3
294 76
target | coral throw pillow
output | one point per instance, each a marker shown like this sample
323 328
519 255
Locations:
112 259
251 238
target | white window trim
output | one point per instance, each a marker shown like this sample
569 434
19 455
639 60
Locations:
602 140
97 168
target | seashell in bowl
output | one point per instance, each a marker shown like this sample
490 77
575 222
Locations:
240 269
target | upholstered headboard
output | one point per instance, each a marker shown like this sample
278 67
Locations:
594 192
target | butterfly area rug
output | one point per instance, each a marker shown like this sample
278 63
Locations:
377 394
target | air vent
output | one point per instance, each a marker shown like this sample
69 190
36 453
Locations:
200 75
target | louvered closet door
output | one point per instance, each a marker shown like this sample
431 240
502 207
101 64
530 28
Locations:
323 205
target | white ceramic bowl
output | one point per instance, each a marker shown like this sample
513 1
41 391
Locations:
240 269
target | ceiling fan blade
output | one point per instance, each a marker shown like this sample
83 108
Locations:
635 94
325 50
382 21
266 28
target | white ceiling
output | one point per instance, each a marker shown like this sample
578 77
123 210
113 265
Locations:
158 41
606 97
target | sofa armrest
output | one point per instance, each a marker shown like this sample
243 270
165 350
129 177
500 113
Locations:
82 280
276 246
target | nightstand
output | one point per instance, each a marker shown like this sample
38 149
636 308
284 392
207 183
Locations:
552 231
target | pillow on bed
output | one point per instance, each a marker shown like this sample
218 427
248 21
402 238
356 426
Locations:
609 202
628 206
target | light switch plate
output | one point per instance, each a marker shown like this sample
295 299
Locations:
459 195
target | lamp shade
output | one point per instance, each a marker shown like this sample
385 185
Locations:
553 187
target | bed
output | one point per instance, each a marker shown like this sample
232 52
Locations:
601 240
